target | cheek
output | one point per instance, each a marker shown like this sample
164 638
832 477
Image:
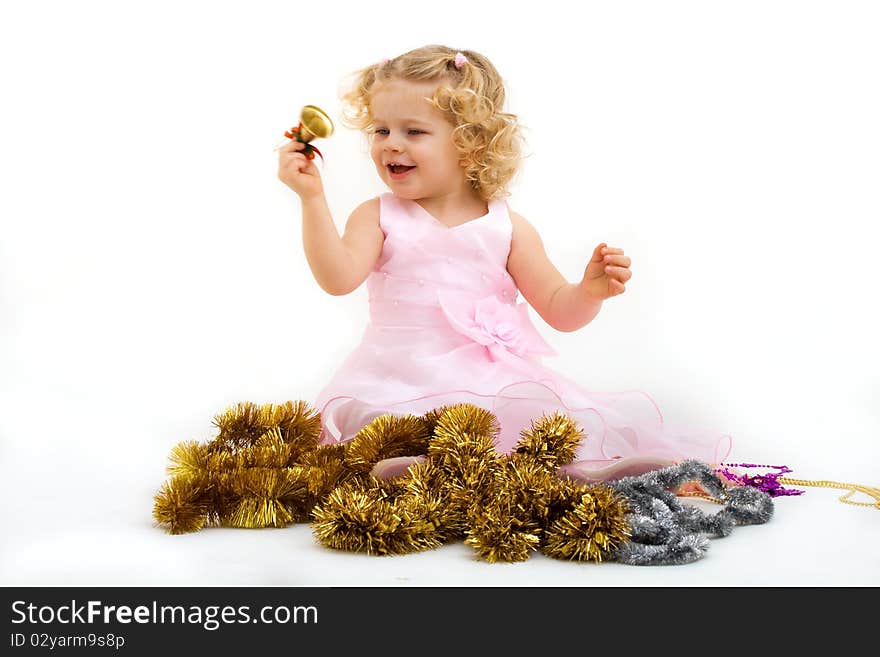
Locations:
430 154
451 158
376 155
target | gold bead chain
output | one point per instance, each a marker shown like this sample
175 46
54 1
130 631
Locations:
851 489
703 496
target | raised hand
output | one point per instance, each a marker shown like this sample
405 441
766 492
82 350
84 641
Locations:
606 273
298 172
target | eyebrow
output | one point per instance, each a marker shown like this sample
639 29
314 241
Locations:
376 119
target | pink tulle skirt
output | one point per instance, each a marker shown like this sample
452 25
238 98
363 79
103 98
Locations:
393 372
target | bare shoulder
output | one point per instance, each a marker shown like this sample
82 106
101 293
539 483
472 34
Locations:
524 234
363 234
366 214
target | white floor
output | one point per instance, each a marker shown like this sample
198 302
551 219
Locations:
79 482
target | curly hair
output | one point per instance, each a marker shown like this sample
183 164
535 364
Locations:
489 140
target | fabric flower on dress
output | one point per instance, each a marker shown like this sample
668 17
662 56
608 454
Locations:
501 327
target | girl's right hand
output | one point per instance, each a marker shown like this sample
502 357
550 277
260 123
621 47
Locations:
298 172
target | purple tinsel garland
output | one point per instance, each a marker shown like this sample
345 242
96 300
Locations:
768 482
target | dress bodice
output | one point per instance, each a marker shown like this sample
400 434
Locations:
422 259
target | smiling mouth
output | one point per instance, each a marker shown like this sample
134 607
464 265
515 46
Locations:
399 168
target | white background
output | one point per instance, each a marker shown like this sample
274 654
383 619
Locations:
152 272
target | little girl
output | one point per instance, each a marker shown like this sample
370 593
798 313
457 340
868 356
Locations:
445 258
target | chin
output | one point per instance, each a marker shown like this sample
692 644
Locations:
409 194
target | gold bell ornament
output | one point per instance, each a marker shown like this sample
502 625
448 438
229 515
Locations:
313 124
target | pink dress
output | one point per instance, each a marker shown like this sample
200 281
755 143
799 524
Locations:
446 326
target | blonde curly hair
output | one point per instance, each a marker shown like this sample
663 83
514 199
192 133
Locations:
488 139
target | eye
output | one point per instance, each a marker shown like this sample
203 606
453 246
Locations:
416 132
380 131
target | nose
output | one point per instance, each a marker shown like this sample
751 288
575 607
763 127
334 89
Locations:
392 144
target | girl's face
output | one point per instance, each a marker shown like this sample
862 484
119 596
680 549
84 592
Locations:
411 144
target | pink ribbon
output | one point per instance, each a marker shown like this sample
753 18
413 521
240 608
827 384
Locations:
501 327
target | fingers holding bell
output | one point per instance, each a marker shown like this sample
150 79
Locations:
293 145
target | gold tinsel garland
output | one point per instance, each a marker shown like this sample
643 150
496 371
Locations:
265 468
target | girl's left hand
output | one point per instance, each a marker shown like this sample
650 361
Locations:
606 273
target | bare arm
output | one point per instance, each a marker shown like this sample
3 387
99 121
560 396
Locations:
341 264
564 306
